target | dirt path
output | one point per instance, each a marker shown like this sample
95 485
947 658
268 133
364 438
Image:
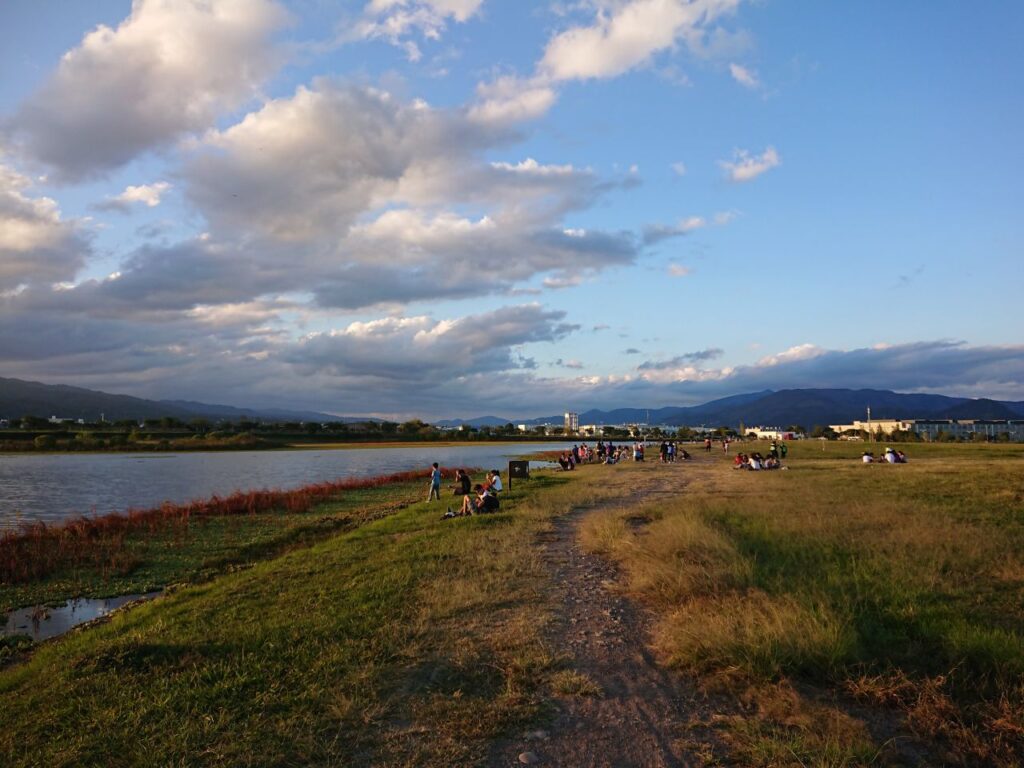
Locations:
644 715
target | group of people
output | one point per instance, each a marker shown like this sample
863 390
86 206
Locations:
668 451
477 499
756 461
890 457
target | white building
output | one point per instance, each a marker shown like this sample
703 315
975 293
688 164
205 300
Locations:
572 422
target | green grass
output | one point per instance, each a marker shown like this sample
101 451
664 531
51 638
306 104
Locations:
207 546
408 641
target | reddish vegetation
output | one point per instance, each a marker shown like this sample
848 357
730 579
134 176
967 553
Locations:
36 549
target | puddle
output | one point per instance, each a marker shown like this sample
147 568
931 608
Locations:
42 622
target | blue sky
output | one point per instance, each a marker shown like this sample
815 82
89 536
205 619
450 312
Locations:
449 207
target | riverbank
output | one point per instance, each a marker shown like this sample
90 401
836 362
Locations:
830 614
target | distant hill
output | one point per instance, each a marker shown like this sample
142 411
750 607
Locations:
32 398
806 407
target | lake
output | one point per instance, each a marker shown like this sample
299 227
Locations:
53 487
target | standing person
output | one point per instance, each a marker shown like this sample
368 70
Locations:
663 452
707 444
435 483
575 454
725 444
784 449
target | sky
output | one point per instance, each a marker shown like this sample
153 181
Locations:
450 208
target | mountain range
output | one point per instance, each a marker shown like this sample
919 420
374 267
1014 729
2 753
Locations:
806 407
31 398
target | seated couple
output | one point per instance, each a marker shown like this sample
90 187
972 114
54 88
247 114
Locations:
480 502
463 484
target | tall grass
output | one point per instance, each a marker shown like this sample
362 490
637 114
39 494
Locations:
37 549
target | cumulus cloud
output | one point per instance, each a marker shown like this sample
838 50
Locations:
618 37
678 270
745 167
428 351
745 77
679 169
169 69
396 20
36 244
628 36
145 194
356 191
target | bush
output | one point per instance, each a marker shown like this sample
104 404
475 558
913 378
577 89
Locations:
44 442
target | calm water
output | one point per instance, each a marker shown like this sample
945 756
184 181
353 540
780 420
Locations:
42 623
52 487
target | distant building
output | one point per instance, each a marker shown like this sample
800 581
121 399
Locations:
65 420
572 422
887 426
592 430
930 429
770 433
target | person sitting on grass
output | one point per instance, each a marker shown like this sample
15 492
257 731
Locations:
484 501
868 457
684 454
740 462
564 463
901 457
463 485
493 483
755 461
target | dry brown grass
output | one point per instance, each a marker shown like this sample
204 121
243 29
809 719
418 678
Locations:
833 572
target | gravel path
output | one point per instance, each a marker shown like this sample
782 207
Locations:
644 715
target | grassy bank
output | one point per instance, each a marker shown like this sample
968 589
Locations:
899 588
407 641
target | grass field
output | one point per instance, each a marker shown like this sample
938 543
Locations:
408 641
837 603
899 586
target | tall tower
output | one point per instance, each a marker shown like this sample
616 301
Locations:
572 422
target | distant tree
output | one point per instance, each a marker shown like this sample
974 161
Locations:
33 422
202 426
388 427
797 428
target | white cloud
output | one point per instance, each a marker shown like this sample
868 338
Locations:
679 169
354 193
396 20
745 77
508 100
678 270
169 69
146 194
628 36
745 166
36 244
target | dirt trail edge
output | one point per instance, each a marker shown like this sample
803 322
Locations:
644 715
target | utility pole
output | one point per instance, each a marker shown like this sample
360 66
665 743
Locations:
871 435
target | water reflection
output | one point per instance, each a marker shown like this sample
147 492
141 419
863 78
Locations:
53 487
42 622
